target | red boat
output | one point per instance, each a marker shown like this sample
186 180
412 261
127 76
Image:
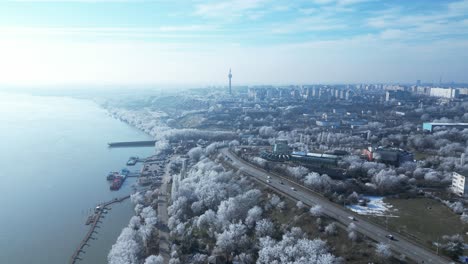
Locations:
117 183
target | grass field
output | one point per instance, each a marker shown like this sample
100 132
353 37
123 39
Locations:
423 219
421 155
340 245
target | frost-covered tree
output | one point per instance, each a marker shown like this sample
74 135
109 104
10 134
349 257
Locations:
352 233
244 258
233 239
161 146
331 229
234 143
198 259
195 153
300 205
388 182
456 207
453 245
294 249
264 227
236 208
253 215
383 251
154 260
297 172
318 182
464 218
127 249
259 161
266 131
316 210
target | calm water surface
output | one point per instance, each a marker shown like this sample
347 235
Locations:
53 163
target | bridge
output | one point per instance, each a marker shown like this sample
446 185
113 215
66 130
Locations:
92 230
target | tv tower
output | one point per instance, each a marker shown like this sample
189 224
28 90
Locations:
230 77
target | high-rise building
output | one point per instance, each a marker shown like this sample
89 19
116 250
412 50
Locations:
230 77
418 82
459 184
444 92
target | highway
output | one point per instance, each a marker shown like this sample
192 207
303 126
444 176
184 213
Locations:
399 244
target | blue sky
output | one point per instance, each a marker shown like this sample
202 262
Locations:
263 41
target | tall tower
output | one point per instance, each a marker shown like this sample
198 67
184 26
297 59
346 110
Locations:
230 77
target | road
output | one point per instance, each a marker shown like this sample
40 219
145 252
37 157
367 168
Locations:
400 244
164 244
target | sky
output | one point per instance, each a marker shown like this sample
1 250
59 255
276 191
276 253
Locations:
136 42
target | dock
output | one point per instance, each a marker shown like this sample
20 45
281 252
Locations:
123 144
93 220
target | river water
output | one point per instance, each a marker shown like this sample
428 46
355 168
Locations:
53 163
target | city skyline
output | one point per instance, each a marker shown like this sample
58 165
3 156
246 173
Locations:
50 42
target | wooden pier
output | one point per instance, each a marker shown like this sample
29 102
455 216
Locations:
99 211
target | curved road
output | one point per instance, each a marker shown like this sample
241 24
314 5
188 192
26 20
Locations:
400 244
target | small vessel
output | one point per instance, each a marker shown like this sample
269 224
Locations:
125 171
117 183
112 175
132 161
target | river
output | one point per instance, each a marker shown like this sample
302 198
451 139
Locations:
53 162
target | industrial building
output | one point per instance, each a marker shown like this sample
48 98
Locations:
459 184
430 126
280 151
317 159
388 155
281 147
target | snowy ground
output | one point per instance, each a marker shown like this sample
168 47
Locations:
375 207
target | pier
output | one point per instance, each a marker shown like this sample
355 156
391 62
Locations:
98 213
146 143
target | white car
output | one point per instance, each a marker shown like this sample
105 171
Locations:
268 181
268 177
352 218
292 188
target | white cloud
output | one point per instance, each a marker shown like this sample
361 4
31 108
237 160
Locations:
340 2
86 1
138 32
323 2
308 24
392 34
228 9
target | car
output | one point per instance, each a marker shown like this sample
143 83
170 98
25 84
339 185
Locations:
352 218
281 182
268 181
292 188
268 177
389 236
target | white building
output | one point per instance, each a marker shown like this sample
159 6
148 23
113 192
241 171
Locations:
444 92
459 184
